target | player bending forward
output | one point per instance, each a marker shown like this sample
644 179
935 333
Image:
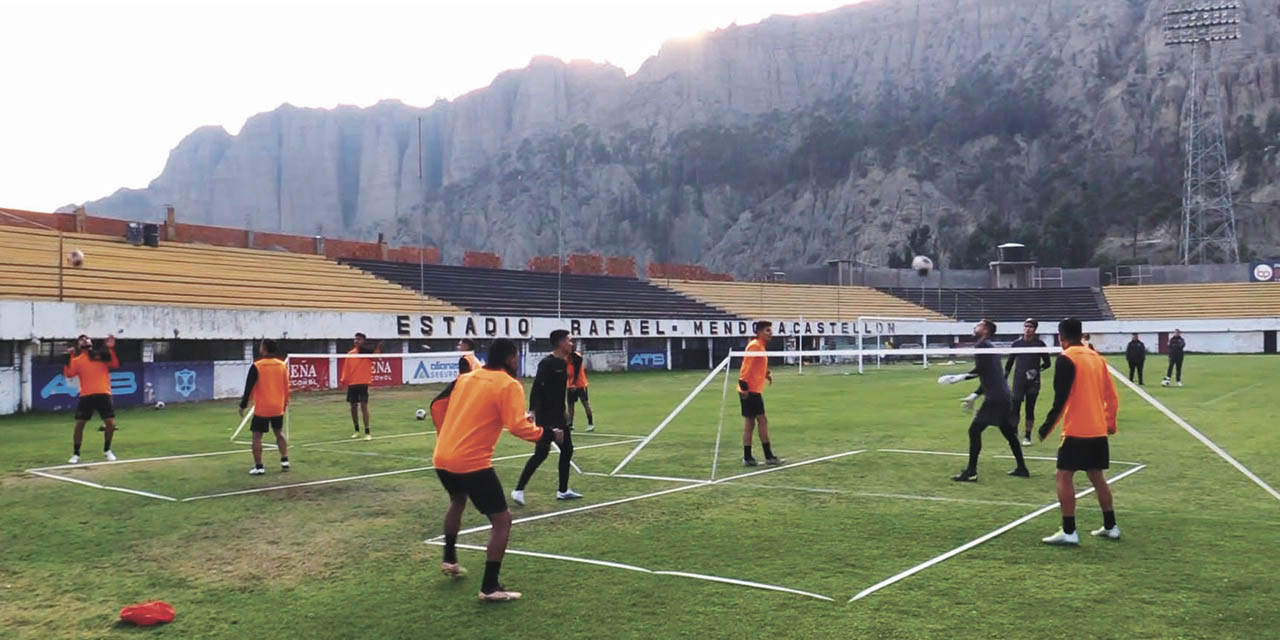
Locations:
93 365
1084 400
996 410
752 376
480 405
268 385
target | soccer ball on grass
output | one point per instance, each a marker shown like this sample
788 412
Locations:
159 405
420 414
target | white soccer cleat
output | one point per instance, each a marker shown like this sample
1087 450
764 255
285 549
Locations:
111 457
74 459
590 428
1026 441
257 471
568 495
1063 538
368 436
1113 533
284 465
1179 384
517 497
452 570
500 595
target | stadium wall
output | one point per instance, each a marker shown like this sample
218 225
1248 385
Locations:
10 390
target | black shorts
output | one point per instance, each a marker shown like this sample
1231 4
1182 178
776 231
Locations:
358 393
752 405
482 486
578 394
1082 454
260 424
100 402
994 412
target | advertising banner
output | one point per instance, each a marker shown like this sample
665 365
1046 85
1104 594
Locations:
1265 271
178 381
637 360
308 374
51 391
428 370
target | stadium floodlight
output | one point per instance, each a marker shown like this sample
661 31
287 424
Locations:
1208 215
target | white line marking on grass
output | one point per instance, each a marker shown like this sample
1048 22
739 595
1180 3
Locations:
699 483
1142 393
85 465
1236 392
349 440
594 434
95 485
630 567
372 454
637 476
979 540
897 496
965 455
364 476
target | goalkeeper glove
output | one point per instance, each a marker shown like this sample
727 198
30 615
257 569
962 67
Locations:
952 379
967 403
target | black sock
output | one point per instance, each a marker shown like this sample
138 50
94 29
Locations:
366 431
590 418
106 442
490 583
1068 524
768 451
284 458
257 465
357 425
1108 519
77 449
746 452
450 548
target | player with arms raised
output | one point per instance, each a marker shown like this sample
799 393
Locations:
92 364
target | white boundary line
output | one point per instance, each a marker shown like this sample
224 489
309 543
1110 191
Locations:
1142 393
85 465
979 540
894 496
629 567
636 476
349 439
368 475
699 483
54 476
965 455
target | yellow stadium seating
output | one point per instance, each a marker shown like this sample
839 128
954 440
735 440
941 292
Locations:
179 274
819 302
1220 300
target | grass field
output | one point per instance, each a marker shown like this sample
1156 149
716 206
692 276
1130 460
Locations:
349 559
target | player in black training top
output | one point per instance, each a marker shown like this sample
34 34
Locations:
1136 355
1177 345
1026 369
546 401
996 409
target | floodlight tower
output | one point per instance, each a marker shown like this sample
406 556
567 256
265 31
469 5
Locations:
1208 218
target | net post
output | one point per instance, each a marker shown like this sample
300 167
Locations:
671 416
858 329
724 397
800 344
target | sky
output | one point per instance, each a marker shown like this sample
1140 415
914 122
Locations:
93 95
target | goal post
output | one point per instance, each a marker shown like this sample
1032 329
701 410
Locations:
879 324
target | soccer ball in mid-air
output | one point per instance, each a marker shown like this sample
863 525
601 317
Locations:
76 258
420 414
922 264
160 404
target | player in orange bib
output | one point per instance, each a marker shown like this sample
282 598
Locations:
92 364
357 375
578 389
1085 403
752 376
481 404
268 385
468 362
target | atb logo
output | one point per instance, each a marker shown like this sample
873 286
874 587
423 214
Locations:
184 382
123 383
647 361
1264 273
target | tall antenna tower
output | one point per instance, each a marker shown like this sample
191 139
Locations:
1208 217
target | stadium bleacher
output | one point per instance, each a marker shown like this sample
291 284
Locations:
1008 305
1220 300
508 292
817 302
116 272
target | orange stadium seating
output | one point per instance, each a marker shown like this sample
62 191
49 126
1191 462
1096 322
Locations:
1221 300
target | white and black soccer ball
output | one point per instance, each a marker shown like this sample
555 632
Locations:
420 414
922 264
159 404
76 258
1165 382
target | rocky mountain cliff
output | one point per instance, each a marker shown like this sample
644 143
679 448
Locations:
780 144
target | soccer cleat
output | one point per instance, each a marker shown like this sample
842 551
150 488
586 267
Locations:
1063 538
284 465
1113 533
368 436
1179 384
75 459
749 462
774 461
1020 472
355 436
517 497
452 570
966 476
590 428
1026 440
500 594
111 457
568 495
257 471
